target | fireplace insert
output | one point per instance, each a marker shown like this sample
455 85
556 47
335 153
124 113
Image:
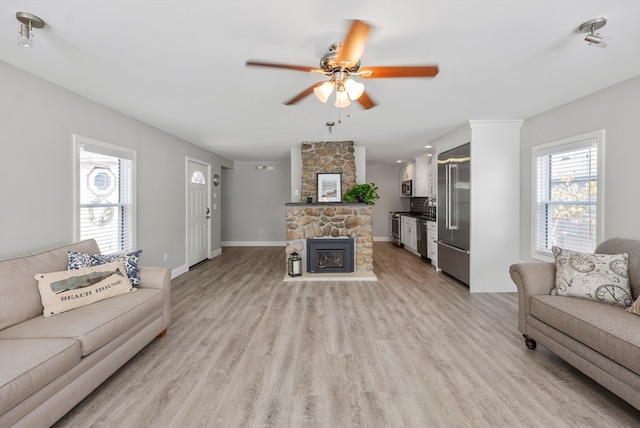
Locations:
330 255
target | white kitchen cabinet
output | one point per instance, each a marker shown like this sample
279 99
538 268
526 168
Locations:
409 233
432 244
418 170
404 229
408 172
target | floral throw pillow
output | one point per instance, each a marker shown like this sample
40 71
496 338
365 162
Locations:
79 260
601 277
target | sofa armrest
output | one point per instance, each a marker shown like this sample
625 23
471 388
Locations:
160 278
531 279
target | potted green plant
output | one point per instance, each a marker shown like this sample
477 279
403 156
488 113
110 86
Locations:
367 193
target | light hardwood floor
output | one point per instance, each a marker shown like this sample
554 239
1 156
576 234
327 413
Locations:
414 349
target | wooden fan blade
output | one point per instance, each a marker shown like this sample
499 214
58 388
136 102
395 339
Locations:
365 101
353 46
399 71
303 94
285 66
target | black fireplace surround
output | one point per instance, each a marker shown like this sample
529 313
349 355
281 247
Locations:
330 255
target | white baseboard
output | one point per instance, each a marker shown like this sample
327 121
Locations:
184 268
254 244
179 271
382 238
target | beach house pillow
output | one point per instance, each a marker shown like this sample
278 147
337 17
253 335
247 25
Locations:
601 277
79 260
70 289
635 308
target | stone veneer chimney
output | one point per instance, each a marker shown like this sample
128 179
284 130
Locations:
330 157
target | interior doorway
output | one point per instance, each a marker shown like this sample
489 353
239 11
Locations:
198 210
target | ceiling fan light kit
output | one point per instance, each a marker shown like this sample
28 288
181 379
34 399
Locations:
342 98
354 89
345 87
341 63
591 26
323 91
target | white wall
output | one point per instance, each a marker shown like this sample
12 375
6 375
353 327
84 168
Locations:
495 149
37 122
387 178
616 110
253 201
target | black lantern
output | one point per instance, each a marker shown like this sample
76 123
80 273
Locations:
294 263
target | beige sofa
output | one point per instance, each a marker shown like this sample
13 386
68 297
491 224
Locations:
601 340
48 365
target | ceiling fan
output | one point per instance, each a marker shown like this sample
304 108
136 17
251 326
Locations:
341 63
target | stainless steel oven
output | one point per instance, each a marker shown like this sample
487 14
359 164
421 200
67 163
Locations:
394 227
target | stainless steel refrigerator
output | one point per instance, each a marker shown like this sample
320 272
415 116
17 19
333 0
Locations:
454 211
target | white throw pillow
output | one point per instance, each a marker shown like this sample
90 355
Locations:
70 289
601 277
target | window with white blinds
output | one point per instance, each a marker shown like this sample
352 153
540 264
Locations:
105 194
568 194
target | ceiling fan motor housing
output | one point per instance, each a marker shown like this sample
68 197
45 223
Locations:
329 62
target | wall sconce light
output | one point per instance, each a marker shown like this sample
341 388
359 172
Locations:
591 26
27 22
294 264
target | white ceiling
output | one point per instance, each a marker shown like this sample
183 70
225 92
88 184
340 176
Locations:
180 65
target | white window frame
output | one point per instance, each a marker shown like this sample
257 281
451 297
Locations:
571 143
113 150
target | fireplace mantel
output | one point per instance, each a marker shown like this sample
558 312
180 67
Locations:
324 204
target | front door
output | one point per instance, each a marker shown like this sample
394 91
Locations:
198 212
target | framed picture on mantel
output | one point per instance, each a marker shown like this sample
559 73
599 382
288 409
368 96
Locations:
329 187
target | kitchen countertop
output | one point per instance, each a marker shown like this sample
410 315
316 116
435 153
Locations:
418 216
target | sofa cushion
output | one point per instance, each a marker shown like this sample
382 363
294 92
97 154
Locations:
602 277
19 295
78 260
26 365
95 324
635 308
608 329
70 289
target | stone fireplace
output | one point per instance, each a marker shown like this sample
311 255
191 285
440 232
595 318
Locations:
331 221
330 255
